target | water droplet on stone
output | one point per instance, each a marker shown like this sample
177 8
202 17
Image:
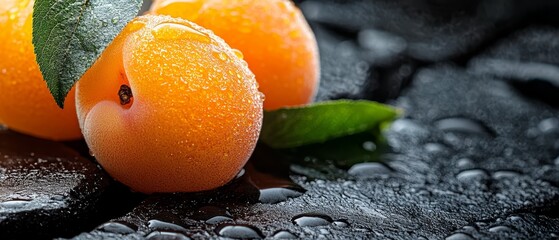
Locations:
371 169
434 148
165 226
239 231
284 234
279 194
212 215
464 125
341 223
549 125
218 219
14 204
172 31
311 220
469 229
472 175
459 236
158 235
499 229
273 189
515 218
382 43
408 125
464 163
118 228
369 146
505 174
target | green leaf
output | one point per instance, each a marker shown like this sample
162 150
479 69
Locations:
69 36
294 127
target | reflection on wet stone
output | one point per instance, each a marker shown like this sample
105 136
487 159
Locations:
38 182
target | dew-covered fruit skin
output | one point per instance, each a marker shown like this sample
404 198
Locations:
194 115
273 35
26 104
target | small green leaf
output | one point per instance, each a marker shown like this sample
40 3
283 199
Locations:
69 35
294 127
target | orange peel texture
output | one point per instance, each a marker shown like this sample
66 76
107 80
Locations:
26 104
273 35
170 107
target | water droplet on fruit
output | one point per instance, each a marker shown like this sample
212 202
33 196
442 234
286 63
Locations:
239 54
172 31
239 231
221 55
136 25
311 220
13 14
117 227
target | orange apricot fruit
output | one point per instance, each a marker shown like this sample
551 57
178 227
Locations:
169 107
26 104
273 35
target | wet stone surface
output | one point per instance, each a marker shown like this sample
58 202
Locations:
453 162
46 186
475 156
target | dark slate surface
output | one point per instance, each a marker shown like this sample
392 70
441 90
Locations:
476 155
456 167
46 188
528 59
426 30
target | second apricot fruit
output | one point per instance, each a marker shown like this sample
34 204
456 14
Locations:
273 35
